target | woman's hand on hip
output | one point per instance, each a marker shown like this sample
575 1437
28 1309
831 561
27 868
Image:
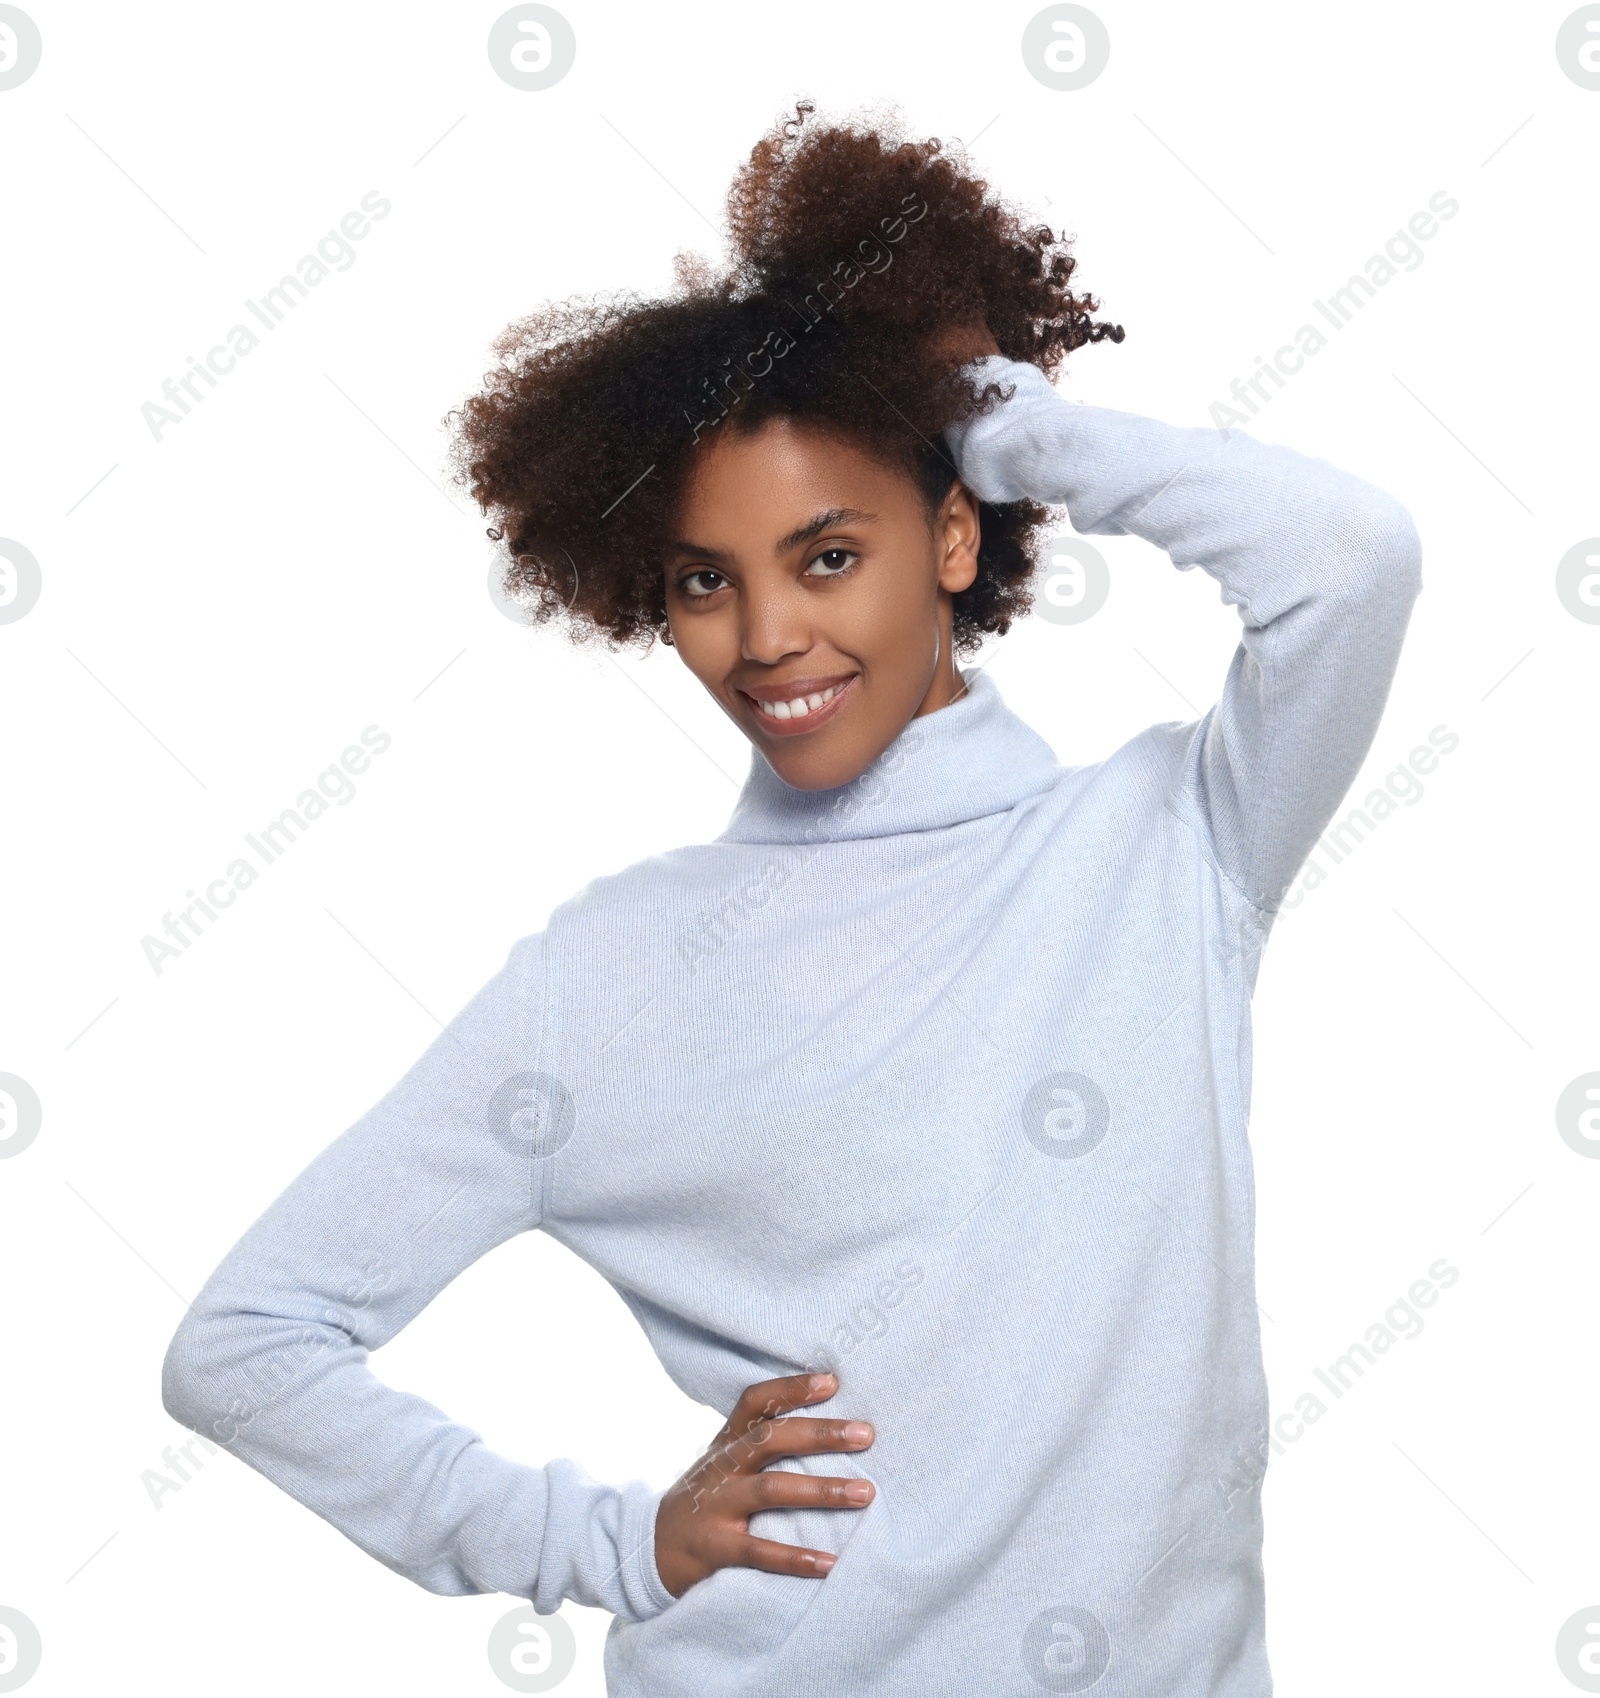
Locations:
702 1524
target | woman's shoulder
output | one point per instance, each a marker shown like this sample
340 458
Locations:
655 887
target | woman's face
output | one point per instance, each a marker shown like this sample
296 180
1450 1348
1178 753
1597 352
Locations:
801 567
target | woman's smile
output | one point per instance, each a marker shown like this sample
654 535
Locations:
793 707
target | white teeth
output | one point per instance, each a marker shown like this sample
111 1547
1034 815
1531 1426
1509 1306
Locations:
801 705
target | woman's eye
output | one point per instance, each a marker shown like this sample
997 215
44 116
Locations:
837 560
690 587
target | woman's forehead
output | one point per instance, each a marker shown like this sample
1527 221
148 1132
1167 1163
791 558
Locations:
783 472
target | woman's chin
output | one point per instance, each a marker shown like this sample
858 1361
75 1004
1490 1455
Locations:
822 763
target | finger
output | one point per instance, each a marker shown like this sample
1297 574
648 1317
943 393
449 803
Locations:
767 1398
779 1488
732 1458
792 1435
773 1558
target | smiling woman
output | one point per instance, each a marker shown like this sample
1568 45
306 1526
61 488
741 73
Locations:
932 1013
796 514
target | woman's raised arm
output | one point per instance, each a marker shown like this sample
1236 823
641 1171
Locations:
1322 566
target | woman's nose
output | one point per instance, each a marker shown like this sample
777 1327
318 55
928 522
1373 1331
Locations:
775 625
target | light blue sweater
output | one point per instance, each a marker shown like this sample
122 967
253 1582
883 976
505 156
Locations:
939 1079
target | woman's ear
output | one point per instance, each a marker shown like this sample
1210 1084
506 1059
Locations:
958 535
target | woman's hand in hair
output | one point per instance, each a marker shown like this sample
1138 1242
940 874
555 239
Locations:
702 1523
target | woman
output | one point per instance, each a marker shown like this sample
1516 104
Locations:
917 1099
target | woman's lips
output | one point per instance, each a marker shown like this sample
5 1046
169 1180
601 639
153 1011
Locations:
796 725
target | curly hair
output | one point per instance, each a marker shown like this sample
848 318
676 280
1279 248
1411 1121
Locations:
850 244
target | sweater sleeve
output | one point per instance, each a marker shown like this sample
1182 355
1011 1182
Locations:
1322 566
270 1361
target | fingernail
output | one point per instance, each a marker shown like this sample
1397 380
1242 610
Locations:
857 1432
822 1564
858 1491
818 1381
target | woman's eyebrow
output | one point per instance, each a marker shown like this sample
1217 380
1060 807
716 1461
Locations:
693 548
823 522
804 533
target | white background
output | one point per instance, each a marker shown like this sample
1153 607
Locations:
225 609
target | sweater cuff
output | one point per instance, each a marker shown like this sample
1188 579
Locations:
984 455
642 1585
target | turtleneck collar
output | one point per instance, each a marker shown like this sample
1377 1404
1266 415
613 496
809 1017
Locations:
960 762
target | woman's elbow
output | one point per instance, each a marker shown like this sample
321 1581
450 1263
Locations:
206 1365
184 1377
1379 551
